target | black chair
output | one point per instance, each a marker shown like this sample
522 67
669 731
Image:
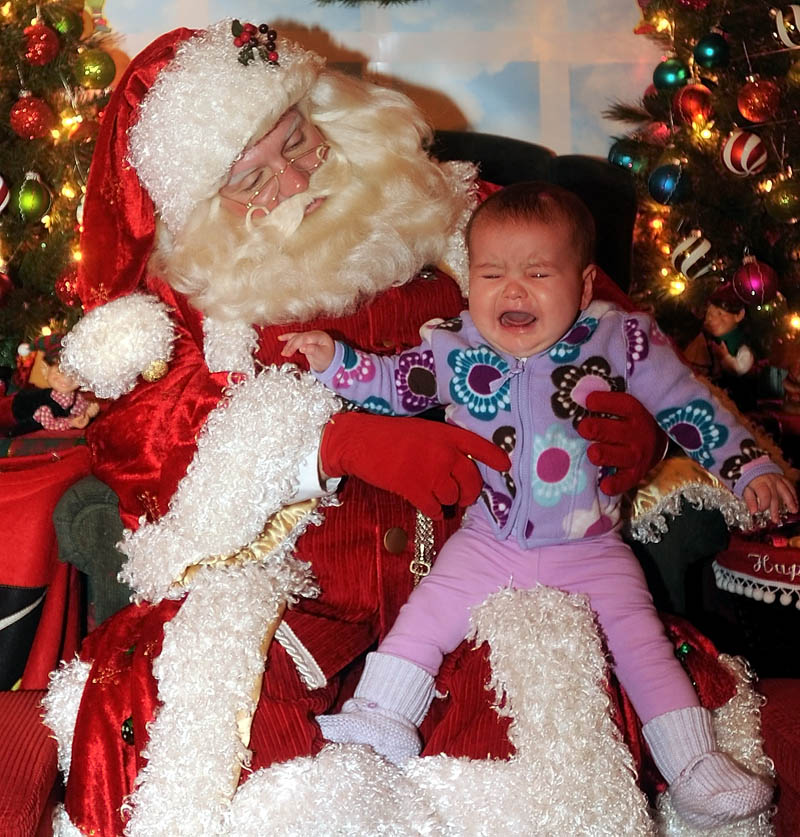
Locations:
606 189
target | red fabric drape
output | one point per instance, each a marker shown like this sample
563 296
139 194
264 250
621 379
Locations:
30 488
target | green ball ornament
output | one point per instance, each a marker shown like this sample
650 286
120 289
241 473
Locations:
671 74
33 198
783 202
67 22
94 69
711 51
626 156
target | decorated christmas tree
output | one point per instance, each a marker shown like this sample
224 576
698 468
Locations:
714 146
55 74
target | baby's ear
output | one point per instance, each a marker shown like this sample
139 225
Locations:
589 273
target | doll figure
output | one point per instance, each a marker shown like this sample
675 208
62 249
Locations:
57 406
727 341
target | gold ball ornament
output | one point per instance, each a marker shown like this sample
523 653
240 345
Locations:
155 371
758 100
783 201
94 69
793 75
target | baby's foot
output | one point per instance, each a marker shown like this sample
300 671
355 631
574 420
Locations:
713 791
364 722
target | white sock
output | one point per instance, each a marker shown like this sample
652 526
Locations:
390 701
707 787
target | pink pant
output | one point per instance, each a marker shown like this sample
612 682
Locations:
473 564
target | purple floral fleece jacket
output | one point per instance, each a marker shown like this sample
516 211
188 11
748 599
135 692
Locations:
531 406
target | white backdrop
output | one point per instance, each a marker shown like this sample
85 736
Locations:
540 70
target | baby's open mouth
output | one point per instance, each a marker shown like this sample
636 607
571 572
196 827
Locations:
516 318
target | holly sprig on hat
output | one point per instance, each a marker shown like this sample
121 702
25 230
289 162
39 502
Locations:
255 39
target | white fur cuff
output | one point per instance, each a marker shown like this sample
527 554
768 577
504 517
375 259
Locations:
245 469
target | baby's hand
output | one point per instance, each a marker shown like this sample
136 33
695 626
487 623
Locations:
317 346
93 409
773 492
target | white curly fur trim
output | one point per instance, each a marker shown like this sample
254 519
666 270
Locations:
61 704
229 345
188 135
737 727
62 824
210 660
650 526
463 177
245 469
571 773
112 345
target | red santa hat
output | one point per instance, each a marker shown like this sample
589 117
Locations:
181 115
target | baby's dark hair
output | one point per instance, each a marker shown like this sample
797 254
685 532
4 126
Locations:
536 200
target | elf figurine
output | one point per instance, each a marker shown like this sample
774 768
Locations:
56 406
727 339
731 358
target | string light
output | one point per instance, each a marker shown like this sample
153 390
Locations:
657 224
677 287
76 255
665 249
46 331
664 272
794 322
6 9
67 191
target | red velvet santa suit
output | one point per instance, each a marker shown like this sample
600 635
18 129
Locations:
148 447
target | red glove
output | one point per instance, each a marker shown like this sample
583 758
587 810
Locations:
426 462
628 440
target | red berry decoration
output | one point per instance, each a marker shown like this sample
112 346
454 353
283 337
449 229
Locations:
744 153
755 282
66 287
759 99
41 44
692 103
31 117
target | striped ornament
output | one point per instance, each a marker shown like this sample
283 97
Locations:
5 194
744 153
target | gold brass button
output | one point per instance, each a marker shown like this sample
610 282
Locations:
395 540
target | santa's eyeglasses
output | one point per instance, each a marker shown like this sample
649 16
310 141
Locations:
268 186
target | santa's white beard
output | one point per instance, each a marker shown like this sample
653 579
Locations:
288 266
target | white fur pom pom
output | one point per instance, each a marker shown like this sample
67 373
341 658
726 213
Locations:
112 345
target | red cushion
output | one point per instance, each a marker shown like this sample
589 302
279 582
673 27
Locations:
27 763
780 724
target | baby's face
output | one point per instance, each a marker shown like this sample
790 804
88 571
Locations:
525 284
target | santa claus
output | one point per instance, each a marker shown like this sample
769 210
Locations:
239 189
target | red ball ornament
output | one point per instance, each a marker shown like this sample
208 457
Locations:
31 117
692 103
744 153
656 133
41 44
759 99
66 287
755 282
